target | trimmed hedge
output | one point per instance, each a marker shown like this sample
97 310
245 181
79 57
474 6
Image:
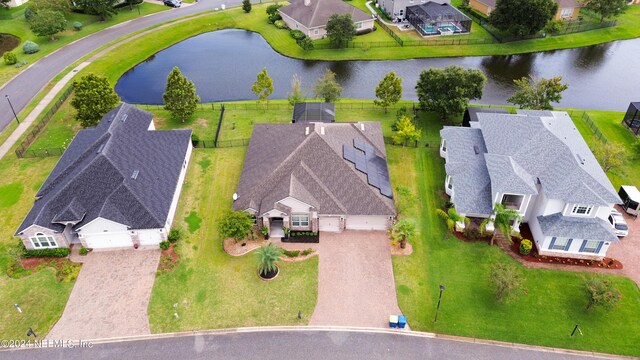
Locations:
30 47
297 34
58 253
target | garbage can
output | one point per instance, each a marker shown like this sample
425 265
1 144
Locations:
402 321
393 321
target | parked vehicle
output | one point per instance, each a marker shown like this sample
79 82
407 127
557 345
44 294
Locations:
618 223
173 3
630 199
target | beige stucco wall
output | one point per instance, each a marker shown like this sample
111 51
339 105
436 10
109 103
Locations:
320 32
480 7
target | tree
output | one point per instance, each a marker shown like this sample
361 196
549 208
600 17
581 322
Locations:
448 91
522 17
327 87
296 94
340 29
180 96
538 95
501 222
306 43
236 225
263 86
507 280
403 231
47 22
388 91
405 131
101 8
267 258
4 3
600 292
93 98
56 5
246 6
273 9
610 155
453 219
606 8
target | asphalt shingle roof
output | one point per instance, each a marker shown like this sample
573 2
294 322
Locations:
118 170
576 227
319 11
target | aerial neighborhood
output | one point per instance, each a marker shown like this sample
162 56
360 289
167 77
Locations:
435 178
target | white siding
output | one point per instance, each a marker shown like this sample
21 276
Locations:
366 222
329 223
176 193
296 205
101 225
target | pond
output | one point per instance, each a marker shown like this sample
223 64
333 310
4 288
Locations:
223 65
8 42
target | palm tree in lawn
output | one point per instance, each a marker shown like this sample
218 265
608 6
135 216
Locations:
452 218
502 222
267 257
402 231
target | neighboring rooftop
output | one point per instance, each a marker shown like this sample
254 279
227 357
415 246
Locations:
471 115
119 170
313 112
562 4
316 13
435 12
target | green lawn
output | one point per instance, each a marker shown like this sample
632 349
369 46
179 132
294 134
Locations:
211 288
18 26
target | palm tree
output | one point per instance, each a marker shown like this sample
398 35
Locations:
502 222
452 218
403 230
267 257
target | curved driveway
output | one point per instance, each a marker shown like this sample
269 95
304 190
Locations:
30 81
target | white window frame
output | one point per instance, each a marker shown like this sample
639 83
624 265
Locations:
359 25
449 182
566 12
443 145
560 244
524 198
299 220
593 249
581 209
38 239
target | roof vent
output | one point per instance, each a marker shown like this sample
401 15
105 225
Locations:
476 149
306 131
100 149
361 126
135 174
322 130
124 117
581 160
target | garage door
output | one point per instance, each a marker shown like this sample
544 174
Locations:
149 238
328 223
107 241
366 223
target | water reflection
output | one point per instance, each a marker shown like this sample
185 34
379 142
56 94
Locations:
592 57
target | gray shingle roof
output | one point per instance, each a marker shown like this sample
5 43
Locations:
507 176
282 161
313 112
576 227
94 177
319 11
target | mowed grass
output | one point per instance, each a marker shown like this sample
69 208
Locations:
215 290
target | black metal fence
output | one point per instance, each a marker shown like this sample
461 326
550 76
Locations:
219 122
414 144
593 127
22 150
201 106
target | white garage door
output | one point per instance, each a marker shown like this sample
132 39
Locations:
152 237
366 223
328 223
108 241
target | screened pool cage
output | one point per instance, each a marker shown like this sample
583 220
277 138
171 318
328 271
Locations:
438 19
632 118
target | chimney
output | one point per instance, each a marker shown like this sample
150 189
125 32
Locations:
307 2
306 131
322 130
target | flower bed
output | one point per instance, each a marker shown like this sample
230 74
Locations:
605 263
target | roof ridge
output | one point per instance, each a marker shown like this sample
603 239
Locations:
323 186
314 12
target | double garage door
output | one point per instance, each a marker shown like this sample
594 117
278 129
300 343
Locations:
109 241
332 224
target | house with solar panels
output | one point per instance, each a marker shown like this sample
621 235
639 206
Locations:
317 177
537 163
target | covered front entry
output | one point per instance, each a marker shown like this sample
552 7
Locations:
276 227
329 223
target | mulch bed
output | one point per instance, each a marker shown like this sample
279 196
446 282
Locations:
234 248
605 263
169 259
397 251
303 239
32 263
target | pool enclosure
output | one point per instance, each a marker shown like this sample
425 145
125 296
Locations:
438 19
632 118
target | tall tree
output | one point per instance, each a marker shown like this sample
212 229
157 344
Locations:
522 17
406 131
453 218
327 87
606 8
388 91
236 225
263 86
448 91
610 155
246 6
93 98
296 94
501 222
538 95
57 5
340 29
47 22
101 8
180 96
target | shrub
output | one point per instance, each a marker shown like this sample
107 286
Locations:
30 47
306 252
273 18
525 247
507 281
28 13
297 34
10 58
273 9
554 26
68 273
164 245
83 251
77 26
291 253
280 24
174 235
16 271
195 137
601 292
58 253
306 43
472 233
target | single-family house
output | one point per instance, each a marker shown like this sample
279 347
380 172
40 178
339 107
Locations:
117 185
311 16
433 18
537 163
316 177
396 9
313 112
567 9
14 3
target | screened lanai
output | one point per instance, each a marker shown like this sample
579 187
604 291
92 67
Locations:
438 19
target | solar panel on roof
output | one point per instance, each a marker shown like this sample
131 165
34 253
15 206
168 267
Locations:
369 163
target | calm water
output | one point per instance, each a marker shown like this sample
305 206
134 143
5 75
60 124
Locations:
224 64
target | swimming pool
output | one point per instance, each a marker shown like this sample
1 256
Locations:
440 28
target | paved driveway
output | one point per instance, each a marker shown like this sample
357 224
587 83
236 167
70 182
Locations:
355 280
628 249
110 297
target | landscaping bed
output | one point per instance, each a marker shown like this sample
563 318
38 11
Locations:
605 263
168 259
66 271
305 237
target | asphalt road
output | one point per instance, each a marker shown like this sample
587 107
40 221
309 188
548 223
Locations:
30 81
299 344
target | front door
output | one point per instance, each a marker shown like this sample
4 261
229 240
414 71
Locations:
276 227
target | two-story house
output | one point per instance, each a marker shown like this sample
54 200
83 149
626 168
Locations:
537 163
396 9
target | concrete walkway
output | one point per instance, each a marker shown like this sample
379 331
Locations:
355 280
110 296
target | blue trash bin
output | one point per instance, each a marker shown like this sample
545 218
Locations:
393 321
402 321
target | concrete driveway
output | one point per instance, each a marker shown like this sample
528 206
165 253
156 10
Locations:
355 280
110 297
